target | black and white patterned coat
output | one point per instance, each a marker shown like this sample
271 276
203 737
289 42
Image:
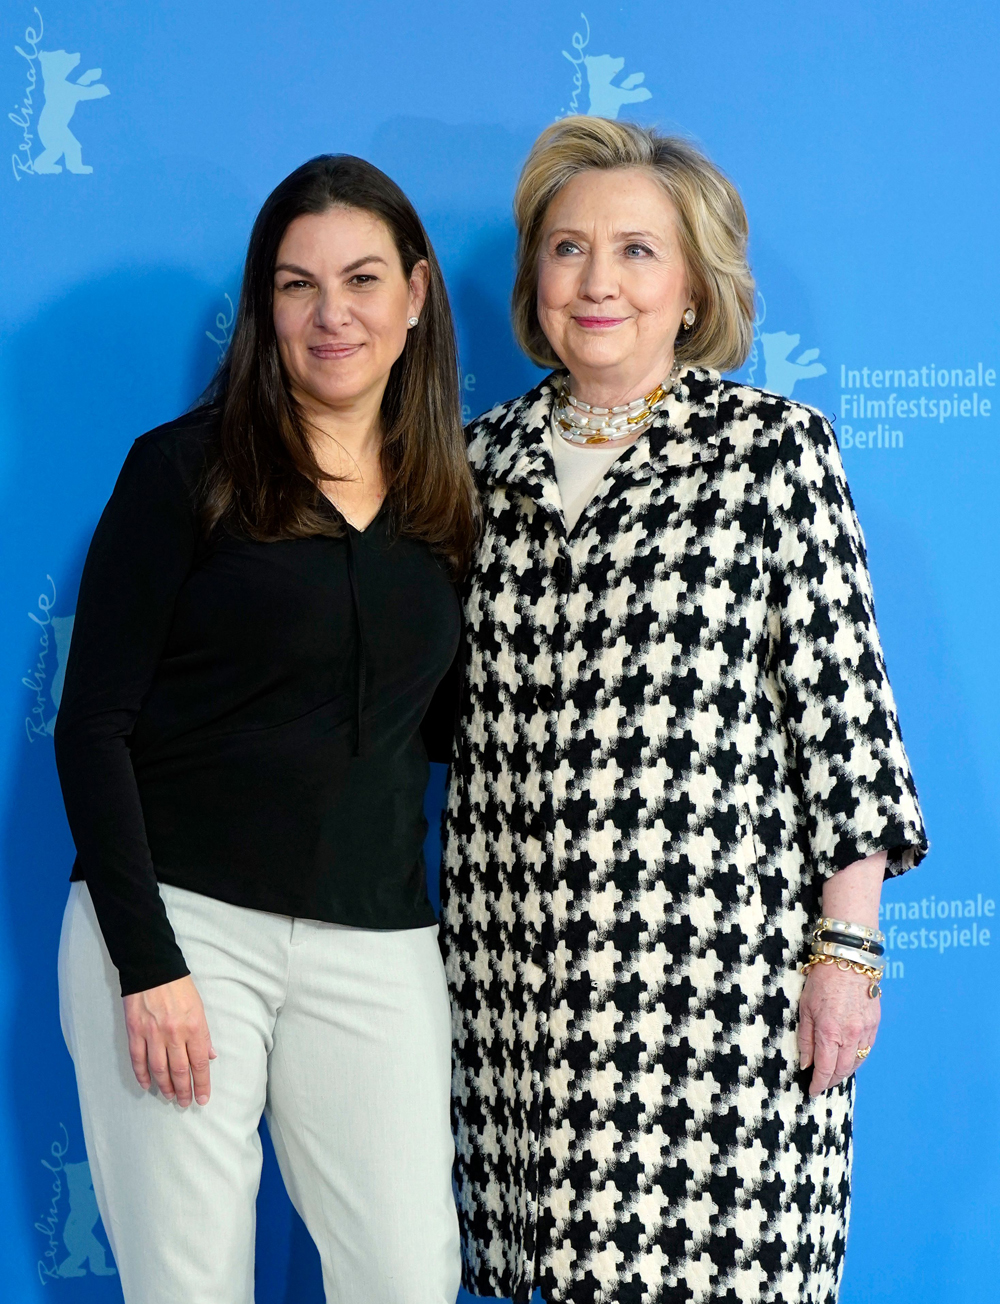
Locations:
676 723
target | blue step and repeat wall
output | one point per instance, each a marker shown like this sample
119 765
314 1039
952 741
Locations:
143 137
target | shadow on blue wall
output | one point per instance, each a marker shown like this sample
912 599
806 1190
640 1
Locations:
460 178
480 290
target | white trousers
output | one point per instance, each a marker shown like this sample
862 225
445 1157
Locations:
342 1038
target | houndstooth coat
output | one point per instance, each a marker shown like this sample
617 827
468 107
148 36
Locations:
676 722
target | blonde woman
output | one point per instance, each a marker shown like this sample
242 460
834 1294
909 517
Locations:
679 775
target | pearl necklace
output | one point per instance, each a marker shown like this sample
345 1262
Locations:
582 423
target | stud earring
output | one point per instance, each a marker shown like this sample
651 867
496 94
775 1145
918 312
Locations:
688 318
412 321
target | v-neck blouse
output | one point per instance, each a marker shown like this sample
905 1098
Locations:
243 719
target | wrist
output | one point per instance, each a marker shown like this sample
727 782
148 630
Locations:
854 892
850 946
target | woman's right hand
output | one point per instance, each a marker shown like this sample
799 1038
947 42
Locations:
169 1041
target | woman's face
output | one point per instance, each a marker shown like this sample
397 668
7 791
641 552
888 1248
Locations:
612 285
341 304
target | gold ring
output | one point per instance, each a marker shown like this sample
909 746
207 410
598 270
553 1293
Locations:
864 1052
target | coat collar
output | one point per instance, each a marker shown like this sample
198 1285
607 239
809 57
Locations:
512 445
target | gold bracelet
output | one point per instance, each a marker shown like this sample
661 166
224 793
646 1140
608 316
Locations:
874 976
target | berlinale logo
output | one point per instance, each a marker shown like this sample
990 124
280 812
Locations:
606 97
60 98
71 1243
782 371
49 670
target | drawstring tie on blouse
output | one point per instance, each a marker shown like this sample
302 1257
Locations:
362 676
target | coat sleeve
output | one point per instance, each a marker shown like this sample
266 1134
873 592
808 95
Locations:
141 553
858 795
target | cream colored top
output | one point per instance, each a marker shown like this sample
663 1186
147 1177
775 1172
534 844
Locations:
579 470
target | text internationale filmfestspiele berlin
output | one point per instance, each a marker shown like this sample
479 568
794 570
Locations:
935 927
885 398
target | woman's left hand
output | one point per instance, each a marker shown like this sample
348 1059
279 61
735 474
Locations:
837 1018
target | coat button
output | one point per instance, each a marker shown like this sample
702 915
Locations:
560 566
545 697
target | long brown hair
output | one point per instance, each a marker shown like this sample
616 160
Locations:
263 480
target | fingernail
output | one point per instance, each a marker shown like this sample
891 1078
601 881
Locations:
202 1100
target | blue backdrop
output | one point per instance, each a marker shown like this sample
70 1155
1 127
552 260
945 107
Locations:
143 138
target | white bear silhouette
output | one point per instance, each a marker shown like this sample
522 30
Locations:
62 629
781 374
61 99
78 1234
606 99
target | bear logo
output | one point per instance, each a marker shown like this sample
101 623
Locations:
78 1233
606 99
781 373
62 629
61 99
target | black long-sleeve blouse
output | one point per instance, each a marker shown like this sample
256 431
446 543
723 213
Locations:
243 719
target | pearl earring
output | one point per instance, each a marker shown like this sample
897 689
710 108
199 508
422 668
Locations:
688 318
412 321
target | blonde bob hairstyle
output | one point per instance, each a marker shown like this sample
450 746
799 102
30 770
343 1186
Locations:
712 225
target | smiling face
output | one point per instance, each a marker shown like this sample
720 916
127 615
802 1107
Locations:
612 284
341 305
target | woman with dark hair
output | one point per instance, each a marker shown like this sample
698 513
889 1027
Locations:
266 611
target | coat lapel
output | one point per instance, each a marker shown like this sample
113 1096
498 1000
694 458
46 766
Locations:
685 431
684 434
517 451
